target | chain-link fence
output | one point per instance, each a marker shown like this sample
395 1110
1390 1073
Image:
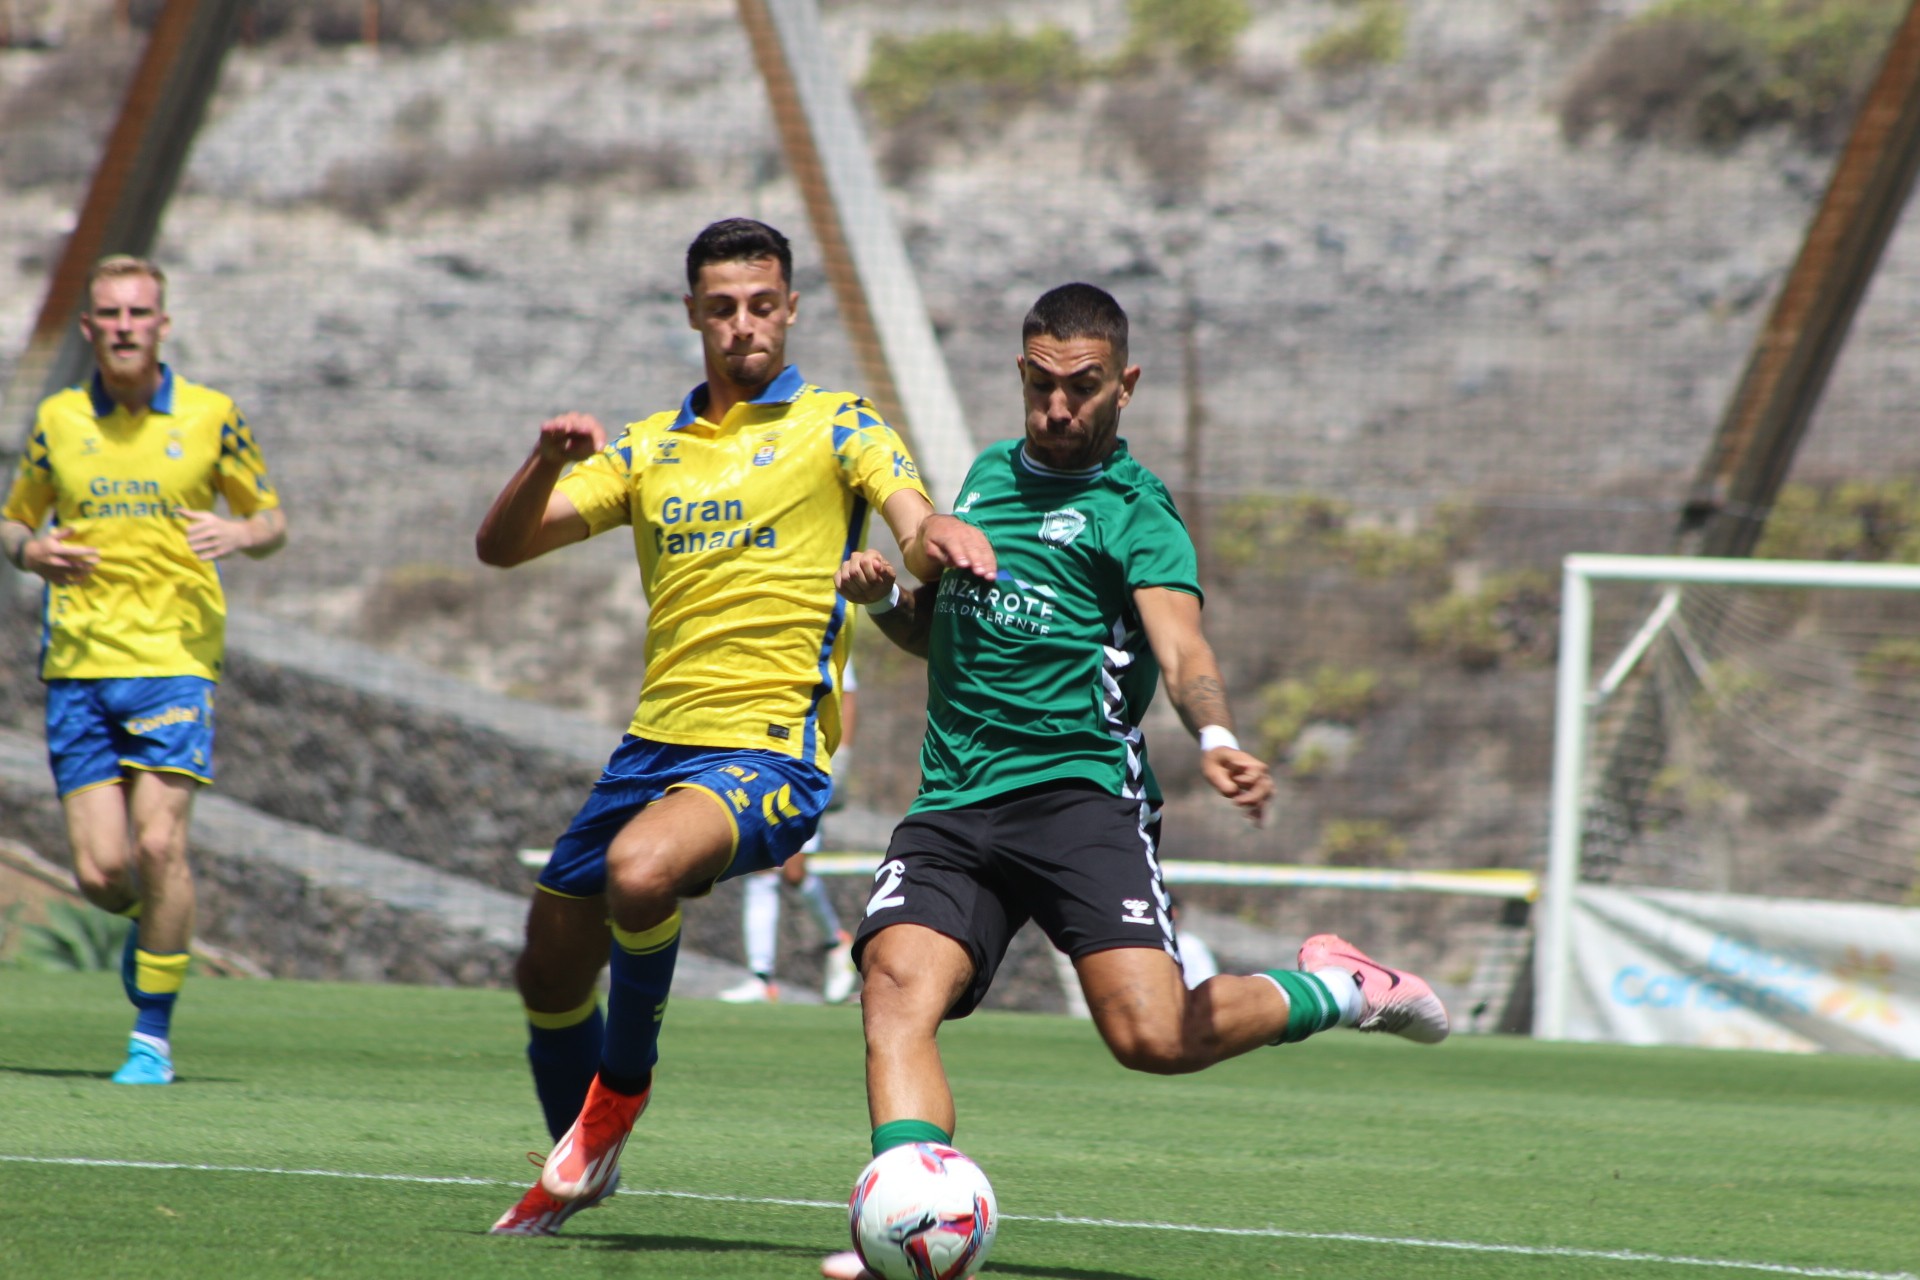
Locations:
1428 293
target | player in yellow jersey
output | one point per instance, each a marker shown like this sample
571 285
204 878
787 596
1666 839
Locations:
743 502
122 473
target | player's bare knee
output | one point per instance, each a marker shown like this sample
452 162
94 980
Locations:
886 981
551 983
160 851
641 891
104 888
1155 1050
897 996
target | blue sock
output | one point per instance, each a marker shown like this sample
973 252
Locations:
564 1051
642 974
127 949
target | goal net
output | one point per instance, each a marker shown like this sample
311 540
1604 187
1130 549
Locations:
1736 805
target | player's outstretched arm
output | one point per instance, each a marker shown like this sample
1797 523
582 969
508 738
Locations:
865 578
930 543
528 518
1192 676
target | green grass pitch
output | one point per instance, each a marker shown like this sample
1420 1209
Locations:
367 1131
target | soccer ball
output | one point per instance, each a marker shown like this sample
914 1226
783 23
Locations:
923 1212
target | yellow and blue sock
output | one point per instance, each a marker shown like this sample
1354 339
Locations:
157 980
900 1133
564 1051
641 975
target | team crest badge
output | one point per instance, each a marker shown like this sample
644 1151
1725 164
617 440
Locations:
1060 528
763 455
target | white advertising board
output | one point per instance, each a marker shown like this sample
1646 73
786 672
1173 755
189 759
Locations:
1668 966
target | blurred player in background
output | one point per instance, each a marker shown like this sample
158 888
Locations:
122 474
742 501
1036 800
760 905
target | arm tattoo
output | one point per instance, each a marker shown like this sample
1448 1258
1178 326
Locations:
1202 701
910 623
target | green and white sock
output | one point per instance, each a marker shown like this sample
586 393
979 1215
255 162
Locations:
1311 1005
1345 989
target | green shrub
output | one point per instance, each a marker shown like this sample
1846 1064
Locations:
75 939
1197 34
1708 72
1891 662
1329 694
1512 616
996 70
1278 531
1726 686
1869 520
1682 791
1359 843
1377 36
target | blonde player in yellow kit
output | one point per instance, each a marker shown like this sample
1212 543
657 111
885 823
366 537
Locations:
123 472
743 502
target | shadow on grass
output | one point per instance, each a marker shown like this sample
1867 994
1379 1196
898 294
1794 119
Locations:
1062 1273
624 1243
78 1073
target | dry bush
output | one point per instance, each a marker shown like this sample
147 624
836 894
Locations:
955 84
1681 78
1707 72
369 188
406 23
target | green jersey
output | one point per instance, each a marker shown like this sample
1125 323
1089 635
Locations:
1044 674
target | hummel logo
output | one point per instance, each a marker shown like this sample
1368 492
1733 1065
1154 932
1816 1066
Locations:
1136 911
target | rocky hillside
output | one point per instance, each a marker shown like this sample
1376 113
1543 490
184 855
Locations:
1435 343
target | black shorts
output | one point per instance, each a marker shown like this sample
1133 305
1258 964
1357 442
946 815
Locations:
1079 862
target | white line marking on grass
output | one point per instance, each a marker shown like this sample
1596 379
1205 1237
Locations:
1271 1233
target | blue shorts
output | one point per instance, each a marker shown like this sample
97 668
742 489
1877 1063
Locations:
99 729
775 802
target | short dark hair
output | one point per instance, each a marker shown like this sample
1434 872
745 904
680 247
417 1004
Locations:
1078 311
738 240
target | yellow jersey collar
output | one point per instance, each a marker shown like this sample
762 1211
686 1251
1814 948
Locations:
784 389
104 404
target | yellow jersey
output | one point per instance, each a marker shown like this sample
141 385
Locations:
117 480
739 526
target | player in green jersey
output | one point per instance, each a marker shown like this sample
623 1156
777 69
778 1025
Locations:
1036 800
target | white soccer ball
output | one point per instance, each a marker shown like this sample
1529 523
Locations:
923 1212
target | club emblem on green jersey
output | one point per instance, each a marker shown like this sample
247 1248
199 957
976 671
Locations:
1060 528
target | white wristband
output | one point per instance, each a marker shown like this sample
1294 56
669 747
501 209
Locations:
1214 735
892 602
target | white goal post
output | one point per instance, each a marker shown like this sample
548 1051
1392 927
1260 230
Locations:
1577 698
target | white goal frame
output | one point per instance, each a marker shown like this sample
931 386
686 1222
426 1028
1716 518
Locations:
1575 701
